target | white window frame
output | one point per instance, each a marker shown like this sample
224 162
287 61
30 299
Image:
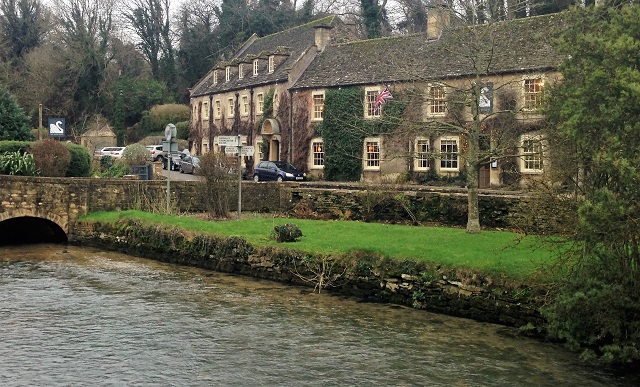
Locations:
259 103
240 71
217 113
245 104
227 73
317 153
532 92
436 100
445 155
372 154
205 110
370 97
422 152
231 106
532 153
215 77
256 66
272 65
317 109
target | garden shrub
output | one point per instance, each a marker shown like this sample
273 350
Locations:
51 157
217 186
80 164
288 232
18 163
14 146
136 154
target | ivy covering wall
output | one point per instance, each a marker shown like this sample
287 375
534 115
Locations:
344 129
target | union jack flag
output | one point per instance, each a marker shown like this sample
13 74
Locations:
383 97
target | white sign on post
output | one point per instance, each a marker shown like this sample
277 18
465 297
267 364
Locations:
231 150
247 151
228 141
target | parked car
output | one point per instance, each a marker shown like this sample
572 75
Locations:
277 171
176 159
112 151
189 164
156 152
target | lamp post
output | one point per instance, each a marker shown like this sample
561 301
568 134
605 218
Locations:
169 135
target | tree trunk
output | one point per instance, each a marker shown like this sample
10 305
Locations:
473 213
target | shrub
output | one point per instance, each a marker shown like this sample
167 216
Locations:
182 128
136 154
18 163
15 146
116 170
217 185
161 115
80 164
51 157
288 232
14 123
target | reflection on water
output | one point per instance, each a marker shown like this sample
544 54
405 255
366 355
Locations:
77 316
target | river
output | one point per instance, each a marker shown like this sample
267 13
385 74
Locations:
72 316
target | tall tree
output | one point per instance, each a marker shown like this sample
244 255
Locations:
24 24
150 22
86 32
595 131
14 124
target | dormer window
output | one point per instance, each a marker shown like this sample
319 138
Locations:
255 67
227 73
215 76
240 71
271 64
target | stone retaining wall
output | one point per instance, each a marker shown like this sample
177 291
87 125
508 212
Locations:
360 274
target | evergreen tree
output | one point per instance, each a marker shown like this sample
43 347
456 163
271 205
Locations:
595 128
14 123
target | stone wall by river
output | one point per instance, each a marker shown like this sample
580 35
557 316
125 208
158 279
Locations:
364 275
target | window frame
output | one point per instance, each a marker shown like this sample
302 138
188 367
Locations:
317 110
317 154
240 70
231 106
215 77
532 93
217 112
444 141
422 157
370 97
272 64
227 73
259 103
372 157
256 66
534 157
244 99
205 110
437 104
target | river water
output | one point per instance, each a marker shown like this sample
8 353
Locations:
73 316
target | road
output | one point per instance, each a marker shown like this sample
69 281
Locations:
176 175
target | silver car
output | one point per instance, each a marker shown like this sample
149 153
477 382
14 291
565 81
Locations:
189 164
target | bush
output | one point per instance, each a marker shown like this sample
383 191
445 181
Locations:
80 164
217 185
182 128
14 123
136 154
160 115
15 146
288 232
51 157
115 171
18 163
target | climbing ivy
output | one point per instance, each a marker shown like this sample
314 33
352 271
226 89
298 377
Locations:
344 129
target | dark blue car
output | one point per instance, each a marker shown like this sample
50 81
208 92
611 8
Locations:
277 171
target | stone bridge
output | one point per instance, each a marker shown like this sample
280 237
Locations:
41 209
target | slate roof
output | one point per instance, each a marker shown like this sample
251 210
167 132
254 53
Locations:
512 46
292 43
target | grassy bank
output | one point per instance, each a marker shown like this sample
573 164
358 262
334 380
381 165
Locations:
498 252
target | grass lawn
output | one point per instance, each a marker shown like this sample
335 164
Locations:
508 253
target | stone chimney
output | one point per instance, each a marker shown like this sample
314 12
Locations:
438 18
323 37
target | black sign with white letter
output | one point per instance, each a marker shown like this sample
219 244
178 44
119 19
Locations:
57 127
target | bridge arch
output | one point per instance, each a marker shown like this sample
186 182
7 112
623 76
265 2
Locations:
25 226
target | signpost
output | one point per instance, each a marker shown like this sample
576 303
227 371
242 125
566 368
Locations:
233 146
170 133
